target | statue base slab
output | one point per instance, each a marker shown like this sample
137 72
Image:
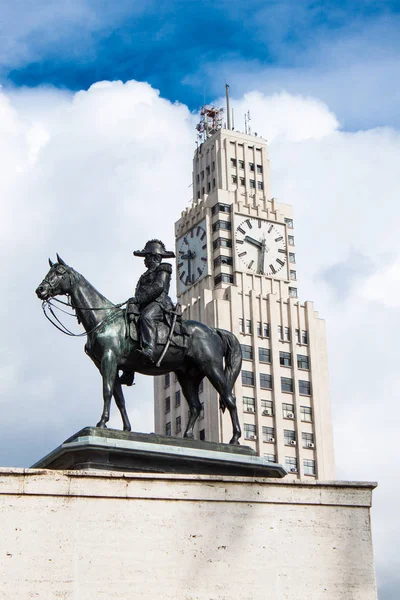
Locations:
114 450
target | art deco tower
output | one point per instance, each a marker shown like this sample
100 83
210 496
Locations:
241 275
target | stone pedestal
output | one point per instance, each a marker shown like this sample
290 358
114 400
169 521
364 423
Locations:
100 535
114 450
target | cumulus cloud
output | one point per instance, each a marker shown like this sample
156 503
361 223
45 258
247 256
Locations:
92 175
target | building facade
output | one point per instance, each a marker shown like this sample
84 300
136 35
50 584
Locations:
236 269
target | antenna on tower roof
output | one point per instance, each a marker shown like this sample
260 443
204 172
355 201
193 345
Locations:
228 112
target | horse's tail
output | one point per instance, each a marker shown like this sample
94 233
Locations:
233 359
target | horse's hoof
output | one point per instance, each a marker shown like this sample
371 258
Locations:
234 442
127 428
101 425
188 436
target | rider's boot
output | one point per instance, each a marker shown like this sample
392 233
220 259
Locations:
147 354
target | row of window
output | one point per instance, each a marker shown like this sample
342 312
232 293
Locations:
286 383
223 278
223 260
267 408
252 183
252 166
203 189
207 172
268 436
220 207
284 334
285 358
167 381
178 429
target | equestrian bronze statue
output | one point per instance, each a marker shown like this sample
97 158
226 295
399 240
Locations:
138 338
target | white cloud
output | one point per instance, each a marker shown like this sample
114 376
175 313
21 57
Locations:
93 175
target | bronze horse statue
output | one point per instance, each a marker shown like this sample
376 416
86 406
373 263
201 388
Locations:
208 352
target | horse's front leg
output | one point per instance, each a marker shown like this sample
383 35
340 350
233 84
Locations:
108 369
120 402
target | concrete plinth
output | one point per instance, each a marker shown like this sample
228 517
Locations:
94 535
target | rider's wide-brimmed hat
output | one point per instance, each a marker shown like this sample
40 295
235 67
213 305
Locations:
155 247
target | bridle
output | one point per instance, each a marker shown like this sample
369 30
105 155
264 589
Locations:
47 304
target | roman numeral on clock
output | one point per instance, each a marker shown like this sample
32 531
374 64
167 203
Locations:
272 268
280 262
279 239
241 230
270 228
249 225
242 254
203 236
281 250
251 263
239 241
199 270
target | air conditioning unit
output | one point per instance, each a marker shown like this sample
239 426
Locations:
289 415
292 442
310 445
252 437
249 409
266 413
293 470
271 439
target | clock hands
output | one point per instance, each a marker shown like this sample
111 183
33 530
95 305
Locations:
252 241
189 257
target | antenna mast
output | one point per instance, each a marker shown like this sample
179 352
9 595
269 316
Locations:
228 112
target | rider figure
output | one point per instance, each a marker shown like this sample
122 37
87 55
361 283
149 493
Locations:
151 296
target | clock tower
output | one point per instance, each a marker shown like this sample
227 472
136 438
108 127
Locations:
236 269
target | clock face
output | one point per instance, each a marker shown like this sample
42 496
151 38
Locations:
261 247
192 262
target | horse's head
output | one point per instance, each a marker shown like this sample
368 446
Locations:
57 281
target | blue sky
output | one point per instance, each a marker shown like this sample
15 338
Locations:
347 53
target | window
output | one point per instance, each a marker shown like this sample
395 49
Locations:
241 325
309 467
208 187
247 378
202 190
213 165
259 328
223 278
198 195
266 329
289 437
222 260
202 175
303 362
167 380
198 178
307 439
287 334
241 164
213 183
168 428
167 404
298 336
270 458
285 359
304 388
291 464
251 166
280 332
247 352
248 326
224 208
202 434
259 169
288 410
267 408
178 398
249 404
265 381
293 275
293 292
289 223
260 185
234 179
292 257
252 183
222 243
287 384
221 225
304 336
233 162
291 240
178 425
242 180
268 434
264 355
249 431
208 170
306 413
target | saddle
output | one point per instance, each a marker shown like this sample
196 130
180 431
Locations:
179 336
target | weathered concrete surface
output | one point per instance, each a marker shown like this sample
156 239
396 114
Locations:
76 535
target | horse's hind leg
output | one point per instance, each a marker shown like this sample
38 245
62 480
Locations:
120 402
190 382
108 369
215 374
